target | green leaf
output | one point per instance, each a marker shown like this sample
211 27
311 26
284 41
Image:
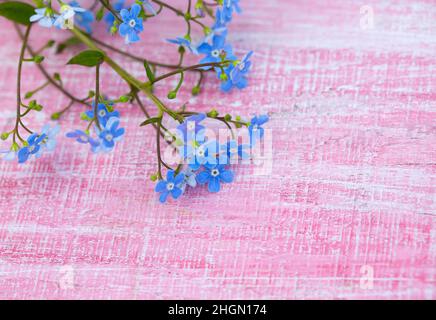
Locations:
150 121
88 58
100 14
17 11
70 42
150 74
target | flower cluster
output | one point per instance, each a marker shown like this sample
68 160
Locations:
35 145
72 12
106 124
130 21
215 49
203 160
206 161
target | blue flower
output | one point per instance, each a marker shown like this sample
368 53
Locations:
44 16
201 154
232 150
33 147
67 13
109 17
50 136
227 11
220 25
110 133
213 175
132 24
190 178
182 42
241 69
191 127
83 19
84 138
170 186
148 6
216 52
103 113
236 75
255 129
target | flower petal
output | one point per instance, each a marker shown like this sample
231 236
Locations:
176 193
203 177
161 186
214 185
226 176
163 197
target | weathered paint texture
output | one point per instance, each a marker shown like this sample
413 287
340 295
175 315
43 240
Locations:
348 210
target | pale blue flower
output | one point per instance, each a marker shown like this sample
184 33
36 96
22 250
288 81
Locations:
182 42
44 16
67 13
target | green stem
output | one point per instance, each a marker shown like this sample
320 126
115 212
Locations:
144 87
97 95
20 67
47 75
194 67
111 10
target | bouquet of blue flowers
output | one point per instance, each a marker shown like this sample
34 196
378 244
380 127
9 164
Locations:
198 156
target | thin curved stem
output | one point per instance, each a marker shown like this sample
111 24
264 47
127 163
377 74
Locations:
194 67
97 95
47 75
20 67
111 10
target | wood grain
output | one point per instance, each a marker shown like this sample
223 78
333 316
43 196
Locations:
351 191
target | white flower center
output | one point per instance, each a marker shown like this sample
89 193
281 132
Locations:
109 137
215 53
102 113
215 172
191 125
132 23
170 186
241 66
31 148
200 152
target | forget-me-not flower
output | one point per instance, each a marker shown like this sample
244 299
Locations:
183 42
227 10
50 136
83 19
33 147
198 155
110 133
109 17
191 126
103 113
148 6
255 129
44 16
67 13
132 24
220 25
172 185
213 175
216 52
84 138
236 75
232 150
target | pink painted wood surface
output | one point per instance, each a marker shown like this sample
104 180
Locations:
352 188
